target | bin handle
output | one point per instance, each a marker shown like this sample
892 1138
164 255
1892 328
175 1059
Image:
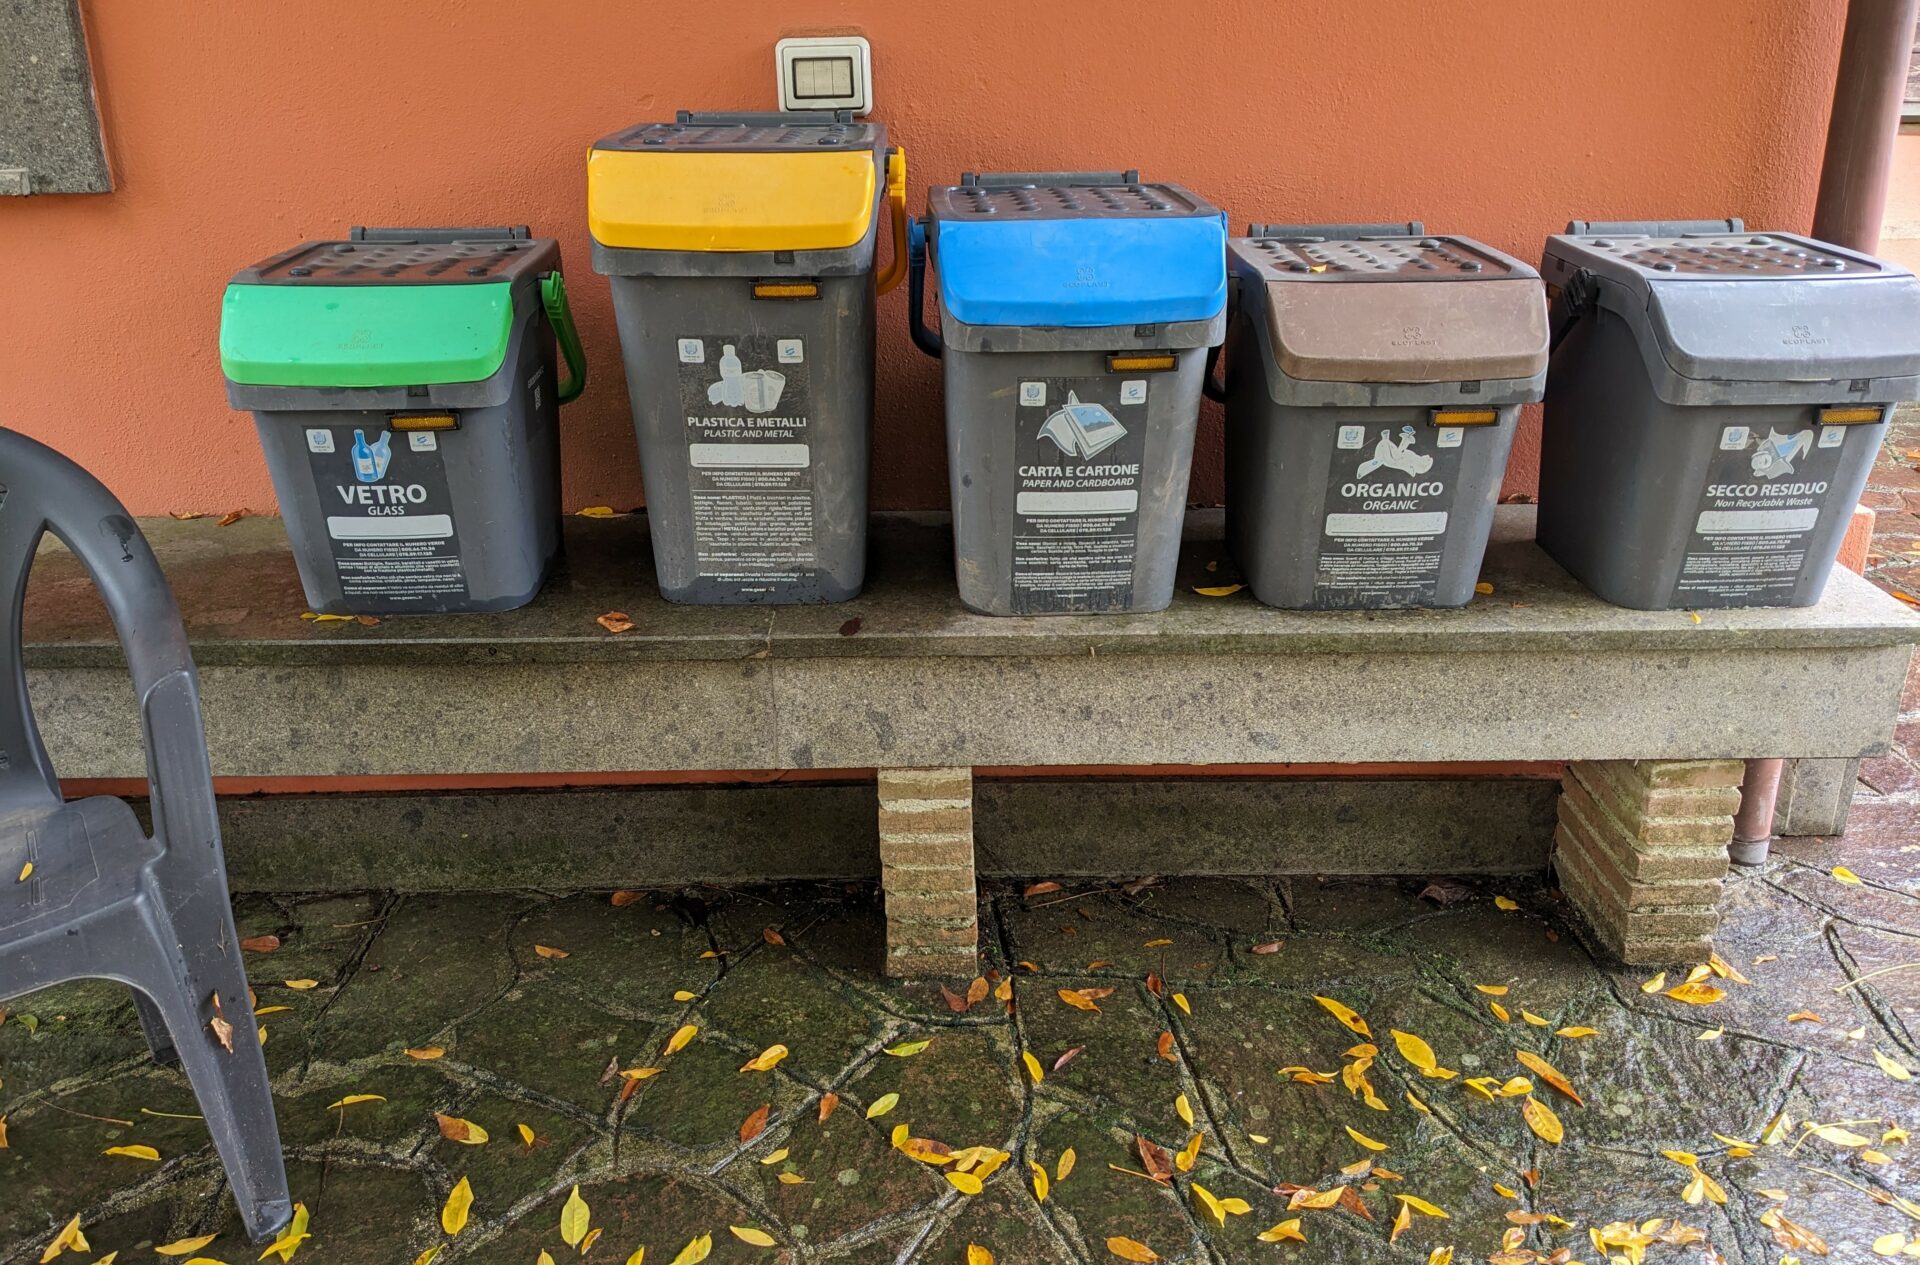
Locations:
925 339
1576 300
897 212
553 297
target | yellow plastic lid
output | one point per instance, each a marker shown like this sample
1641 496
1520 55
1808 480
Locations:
731 187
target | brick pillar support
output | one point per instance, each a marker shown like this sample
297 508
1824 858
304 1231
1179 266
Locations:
926 872
1641 850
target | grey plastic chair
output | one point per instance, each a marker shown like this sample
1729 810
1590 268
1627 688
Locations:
103 901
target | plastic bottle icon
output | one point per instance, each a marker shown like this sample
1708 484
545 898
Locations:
732 391
370 460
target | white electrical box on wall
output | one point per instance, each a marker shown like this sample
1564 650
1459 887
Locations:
825 72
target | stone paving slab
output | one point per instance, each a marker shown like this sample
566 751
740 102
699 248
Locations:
1229 970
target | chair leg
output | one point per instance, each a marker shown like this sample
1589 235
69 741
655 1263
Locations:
158 1039
231 1085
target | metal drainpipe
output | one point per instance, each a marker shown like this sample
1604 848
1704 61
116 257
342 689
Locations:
1869 87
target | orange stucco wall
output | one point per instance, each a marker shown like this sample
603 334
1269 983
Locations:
238 129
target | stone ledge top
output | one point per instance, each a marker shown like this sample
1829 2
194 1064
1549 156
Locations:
242 601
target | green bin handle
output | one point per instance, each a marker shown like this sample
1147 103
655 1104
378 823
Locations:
553 296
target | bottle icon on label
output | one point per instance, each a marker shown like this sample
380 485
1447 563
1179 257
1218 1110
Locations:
732 391
370 461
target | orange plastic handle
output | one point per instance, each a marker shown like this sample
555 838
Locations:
897 205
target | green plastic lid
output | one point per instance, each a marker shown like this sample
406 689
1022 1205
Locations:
364 335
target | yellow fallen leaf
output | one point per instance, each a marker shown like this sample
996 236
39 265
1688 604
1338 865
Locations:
1287 1231
678 1041
1892 1067
1417 1105
1065 1165
1364 1140
791 1179
425 1053
453 1215
301 985
681 994
1180 1000
1318 1199
1034 1070
352 1099
270 1010
1499 1012
1515 1087
1185 1159
640 1073
695 1251
1218 590
26 872
545 1258
1131 1250
466 1132
1845 875
882 1105
1542 1121
133 1152
766 1060
1077 1000
1574 1034
748 1234
1655 984
1183 1109
426 1257
179 1247
1837 1135
290 1239
548 951
1345 1015
574 1219
901 1132
1483 588
1501 902
965 1183
1548 1073
596 511
1040 1182
1441 1256
1533 1019
1889 1244
774 1157
1697 993
907 1049
1420 1206
1710 1034
977 1255
1492 990
526 1134
1414 1050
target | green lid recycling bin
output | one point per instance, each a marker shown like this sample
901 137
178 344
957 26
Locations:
405 388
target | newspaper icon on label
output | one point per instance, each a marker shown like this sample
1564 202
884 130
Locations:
1082 430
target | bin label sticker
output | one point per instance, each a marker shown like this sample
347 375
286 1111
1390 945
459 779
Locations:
1765 499
1385 516
389 516
1077 493
750 459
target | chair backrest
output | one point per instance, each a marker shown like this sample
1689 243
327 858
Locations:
42 491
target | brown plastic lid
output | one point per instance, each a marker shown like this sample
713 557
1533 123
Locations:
1372 311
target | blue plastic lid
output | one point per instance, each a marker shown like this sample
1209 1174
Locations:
1078 255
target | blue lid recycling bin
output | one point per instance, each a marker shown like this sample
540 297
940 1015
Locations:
1076 310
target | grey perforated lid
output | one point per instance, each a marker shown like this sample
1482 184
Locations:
1001 199
1436 258
1724 257
403 262
769 132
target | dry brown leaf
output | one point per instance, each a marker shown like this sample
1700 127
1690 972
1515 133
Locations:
1068 1057
454 1129
1159 1165
615 622
260 944
1078 999
548 951
1040 889
955 1002
828 1101
756 1122
1790 1235
231 517
1165 1046
1270 947
625 897
425 1053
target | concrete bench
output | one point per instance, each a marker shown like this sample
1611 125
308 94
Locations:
1644 717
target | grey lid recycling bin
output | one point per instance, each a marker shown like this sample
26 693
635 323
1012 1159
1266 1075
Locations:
1374 378
405 389
741 252
1076 310
1715 403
